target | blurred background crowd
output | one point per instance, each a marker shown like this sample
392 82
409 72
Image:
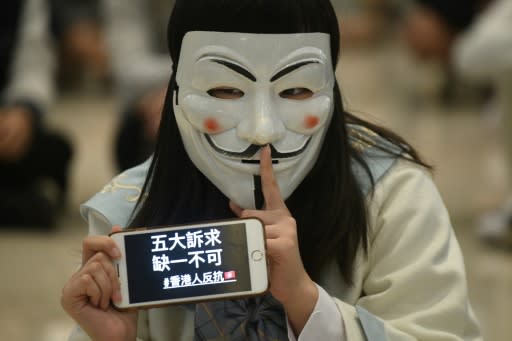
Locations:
82 84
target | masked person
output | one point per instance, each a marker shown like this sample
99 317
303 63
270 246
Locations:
359 243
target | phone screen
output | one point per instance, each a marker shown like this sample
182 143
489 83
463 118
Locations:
182 263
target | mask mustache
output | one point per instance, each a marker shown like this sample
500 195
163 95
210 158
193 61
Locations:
253 149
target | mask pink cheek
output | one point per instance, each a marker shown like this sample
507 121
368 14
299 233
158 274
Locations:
311 121
211 125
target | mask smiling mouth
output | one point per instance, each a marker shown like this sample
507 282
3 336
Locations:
246 155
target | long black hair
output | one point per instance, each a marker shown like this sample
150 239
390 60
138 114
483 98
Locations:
329 205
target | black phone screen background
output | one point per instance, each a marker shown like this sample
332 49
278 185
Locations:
185 263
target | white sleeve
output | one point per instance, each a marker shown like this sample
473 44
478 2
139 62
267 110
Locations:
485 50
32 70
98 224
325 322
137 66
415 286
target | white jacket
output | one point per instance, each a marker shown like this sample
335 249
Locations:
412 285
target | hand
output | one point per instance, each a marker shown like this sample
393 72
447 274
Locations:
289 282
15 133
86 296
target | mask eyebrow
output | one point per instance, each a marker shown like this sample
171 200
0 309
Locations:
292 68
236 68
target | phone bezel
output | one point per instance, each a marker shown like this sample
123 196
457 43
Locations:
255 235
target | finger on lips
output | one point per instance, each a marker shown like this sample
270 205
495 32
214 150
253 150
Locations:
269 185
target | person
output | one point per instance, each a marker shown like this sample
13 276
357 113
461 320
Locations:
431 29
77 27
365 23
359 243
30 154
136 37
432 26
483 54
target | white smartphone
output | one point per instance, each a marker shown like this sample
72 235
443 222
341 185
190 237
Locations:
191 263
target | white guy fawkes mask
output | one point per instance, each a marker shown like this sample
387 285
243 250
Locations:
238 92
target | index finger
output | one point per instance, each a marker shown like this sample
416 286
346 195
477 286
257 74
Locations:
94 244
269 186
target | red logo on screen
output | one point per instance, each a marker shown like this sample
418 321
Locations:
229 275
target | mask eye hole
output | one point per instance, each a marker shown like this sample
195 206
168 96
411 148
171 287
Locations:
226 93
296 93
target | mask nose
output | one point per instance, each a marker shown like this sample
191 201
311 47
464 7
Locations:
262 125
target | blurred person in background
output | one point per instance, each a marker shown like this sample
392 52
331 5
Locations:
431 28
136 31
364 22
484 53
29 152
78 30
